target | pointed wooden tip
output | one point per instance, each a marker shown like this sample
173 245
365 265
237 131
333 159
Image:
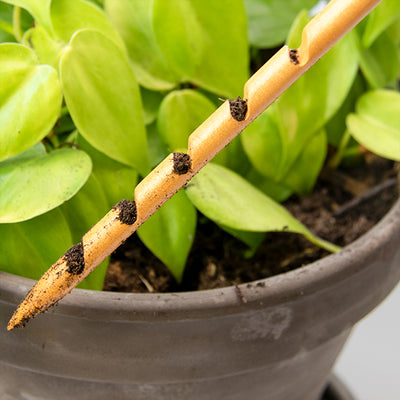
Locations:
25 312
17 321
51 287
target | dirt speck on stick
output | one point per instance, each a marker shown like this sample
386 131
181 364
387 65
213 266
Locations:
127 212
238 109
74 259
294 56
182 163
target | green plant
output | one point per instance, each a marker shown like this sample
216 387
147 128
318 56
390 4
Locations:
92 100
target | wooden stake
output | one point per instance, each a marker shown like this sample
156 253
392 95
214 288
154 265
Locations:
263 88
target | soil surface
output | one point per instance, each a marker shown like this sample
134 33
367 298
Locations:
343 206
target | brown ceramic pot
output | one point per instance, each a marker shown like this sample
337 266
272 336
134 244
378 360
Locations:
279 345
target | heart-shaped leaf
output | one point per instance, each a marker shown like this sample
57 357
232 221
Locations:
379 69
269 21
30 99
229 200
380 18
69 16
151 103
39 9
201 48
84 209
103 98
336 126
134 21
376 123
32 185
306 168
46 48
180 113
117 180
262 142
169 233
157 148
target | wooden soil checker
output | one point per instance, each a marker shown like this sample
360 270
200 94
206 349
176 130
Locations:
263 88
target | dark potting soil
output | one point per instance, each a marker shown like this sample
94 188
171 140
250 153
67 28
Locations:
343 206
74 259
294 56
238 109
126 211
182 163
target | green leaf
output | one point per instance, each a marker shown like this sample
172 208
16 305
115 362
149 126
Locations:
229 200
47 49
29 248
394 32
116 180
306 168
151 103
39 9
86 208
380 62
336 126
30 99
5 36
99 3
104 99
252 239
269 21
32 185
376 123
180 113
200 46
157 148
262 142
233 157
314 98
379 19
6 28
36 151
275 190
83 211
69 16
275 142
169 233
134 21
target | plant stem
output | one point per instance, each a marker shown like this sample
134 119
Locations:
323 243
338 156
17 31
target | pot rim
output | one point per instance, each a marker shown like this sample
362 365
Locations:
273 290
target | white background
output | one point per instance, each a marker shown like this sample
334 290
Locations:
370 362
